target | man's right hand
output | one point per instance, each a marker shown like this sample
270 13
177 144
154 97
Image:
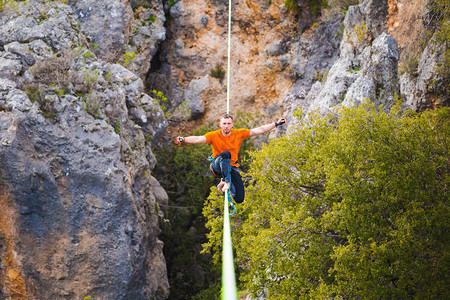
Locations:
179 140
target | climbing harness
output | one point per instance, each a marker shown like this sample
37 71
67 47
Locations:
231 203
229 198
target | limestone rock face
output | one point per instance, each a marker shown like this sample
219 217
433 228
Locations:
79 207
420 89
367 66
117 28
262 35
366 69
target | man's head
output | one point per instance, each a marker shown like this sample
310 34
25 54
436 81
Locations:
226 123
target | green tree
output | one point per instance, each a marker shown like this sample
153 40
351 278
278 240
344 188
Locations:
349 205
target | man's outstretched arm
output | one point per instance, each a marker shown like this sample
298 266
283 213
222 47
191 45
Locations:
264 128
190 140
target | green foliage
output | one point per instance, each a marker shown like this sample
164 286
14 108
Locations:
218 71
92 105
91 77
46 104
88 54
54 70
291 5
9 4
342 5
352 205
160 99
361 31
409 65
117 126
315 7
182 112
128 58
55 76
58 91
354 68
211 293
321 76
108 77
183 172
172 3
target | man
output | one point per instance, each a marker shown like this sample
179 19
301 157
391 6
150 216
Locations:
225 144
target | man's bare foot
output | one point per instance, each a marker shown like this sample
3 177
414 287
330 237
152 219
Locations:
220 185
225 187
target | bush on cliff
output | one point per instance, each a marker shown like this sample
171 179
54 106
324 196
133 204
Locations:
350 205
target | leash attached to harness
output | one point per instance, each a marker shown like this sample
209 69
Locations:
229 199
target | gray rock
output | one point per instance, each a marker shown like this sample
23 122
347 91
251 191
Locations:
376 13
176 11
23 51
366 69
204 20
284 60
75 166
425 91
146 37
51 22
277 48
10 65
363 89
363 23
106 24
370 76
17 99
312 55
192 95
338 81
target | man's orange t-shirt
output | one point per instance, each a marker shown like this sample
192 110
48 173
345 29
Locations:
232 143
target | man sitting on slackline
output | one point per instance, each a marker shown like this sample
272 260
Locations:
225 143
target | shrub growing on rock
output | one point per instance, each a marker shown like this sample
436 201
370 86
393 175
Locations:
349 205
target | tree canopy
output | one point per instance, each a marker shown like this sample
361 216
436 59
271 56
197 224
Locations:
353 204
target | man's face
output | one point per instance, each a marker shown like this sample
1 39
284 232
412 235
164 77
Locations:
226 124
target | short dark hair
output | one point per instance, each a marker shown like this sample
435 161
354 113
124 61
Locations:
226 116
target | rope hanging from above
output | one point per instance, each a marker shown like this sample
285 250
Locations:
229 57
229 291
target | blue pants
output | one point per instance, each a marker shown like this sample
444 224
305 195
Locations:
221 168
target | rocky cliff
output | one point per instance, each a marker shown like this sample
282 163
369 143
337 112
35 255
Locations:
78 202
79 206
284 58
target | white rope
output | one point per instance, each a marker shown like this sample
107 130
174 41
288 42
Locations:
228 274
228 57
229 291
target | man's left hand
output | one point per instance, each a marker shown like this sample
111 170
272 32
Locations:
280 122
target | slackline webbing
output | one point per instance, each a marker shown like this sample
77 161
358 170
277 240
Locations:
228 276
229 291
